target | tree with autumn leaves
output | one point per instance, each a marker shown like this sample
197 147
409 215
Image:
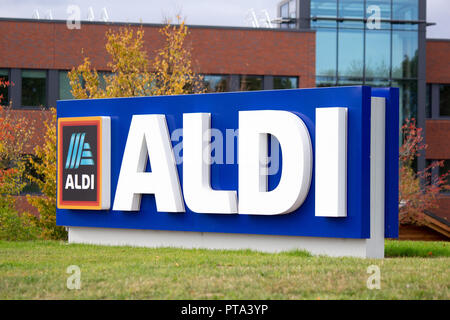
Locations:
15 138
418 191
133 74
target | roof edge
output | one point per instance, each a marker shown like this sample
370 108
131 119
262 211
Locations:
155 25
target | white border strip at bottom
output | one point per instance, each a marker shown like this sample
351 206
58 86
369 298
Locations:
335 247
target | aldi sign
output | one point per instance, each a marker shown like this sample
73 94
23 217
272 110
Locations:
82 142
302 165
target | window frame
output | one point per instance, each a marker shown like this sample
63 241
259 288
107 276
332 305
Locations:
44 105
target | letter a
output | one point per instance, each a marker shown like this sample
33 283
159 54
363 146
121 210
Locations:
148 137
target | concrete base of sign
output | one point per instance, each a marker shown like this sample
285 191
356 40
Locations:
335 247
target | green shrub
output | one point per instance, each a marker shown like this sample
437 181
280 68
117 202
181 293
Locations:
13 226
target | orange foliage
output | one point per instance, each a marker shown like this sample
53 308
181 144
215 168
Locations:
418 191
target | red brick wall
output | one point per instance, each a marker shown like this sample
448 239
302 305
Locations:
437 138
50 45
444 208
438 61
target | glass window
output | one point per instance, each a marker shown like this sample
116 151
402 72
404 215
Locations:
102 75
350 81
326 52
354 10
443 170
285 82
378 53
285 10
350 52
216 83
444 100
292 13
408 98
377 82
383 7
405 9
34 88
64 86
250 83
292 9
288 10
325 82
351 9
404 54
324 9
4 97
428 113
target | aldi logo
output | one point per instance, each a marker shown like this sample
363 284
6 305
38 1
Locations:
81 155
84 163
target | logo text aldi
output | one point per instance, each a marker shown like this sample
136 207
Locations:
83 163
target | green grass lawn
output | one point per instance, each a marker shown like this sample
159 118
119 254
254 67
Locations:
37 270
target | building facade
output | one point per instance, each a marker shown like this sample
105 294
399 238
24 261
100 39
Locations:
380 43
383 43
40 53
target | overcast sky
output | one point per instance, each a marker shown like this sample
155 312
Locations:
196 12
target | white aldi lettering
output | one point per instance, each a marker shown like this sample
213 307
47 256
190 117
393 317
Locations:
148 137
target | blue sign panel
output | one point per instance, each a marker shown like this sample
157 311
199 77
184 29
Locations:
224 110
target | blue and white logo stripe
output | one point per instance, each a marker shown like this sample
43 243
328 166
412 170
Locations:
79 152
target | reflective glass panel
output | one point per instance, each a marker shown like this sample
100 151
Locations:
102 75
404 54
378 53
377 82
408 98
444 100
4 98
324 9
285 10
351 9
444 170
405 9
292 9
325 82
250 83
350 52
326 52
285 82
384 7
216 83
64 86
343 81
34 88
428 102
378 9
292 13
